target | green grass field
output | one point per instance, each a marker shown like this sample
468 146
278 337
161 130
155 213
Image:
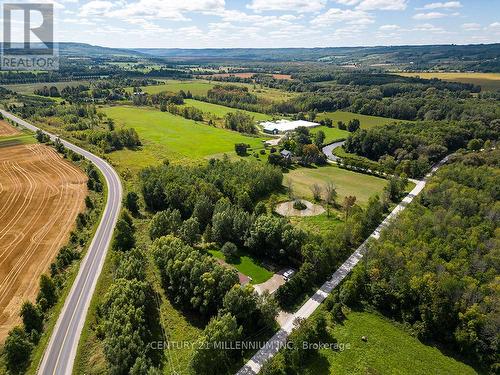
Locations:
247 266
366 121
221 111
196 87
201 87
331 134
28 88
487 81
320 224
165 136
346 182
389 350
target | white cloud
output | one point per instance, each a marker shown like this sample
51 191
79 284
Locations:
472 26
287 5
429 28
428 16
347 2
494 26
445 5
96 8
382 5
389 27
351 17
167 10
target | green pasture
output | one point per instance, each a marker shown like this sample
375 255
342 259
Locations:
221 111
365 121
388 350
165 136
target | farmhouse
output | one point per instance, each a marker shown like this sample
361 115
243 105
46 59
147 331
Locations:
283 126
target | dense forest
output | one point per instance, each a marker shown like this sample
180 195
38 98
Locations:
412 148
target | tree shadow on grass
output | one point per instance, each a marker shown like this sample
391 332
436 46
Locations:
318 364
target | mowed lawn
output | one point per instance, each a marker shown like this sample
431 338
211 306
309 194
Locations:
165 136
247 266
487 81
389 350
366 122
346 182
221 111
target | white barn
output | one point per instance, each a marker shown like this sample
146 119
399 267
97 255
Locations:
283 126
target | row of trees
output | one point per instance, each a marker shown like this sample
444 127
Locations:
127 317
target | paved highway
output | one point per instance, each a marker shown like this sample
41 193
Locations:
278 341
61 350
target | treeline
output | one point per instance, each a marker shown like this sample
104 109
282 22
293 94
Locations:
412 148
188 112
436 267
236 97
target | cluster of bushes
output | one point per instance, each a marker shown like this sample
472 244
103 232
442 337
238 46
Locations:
114 140
240 122
291 359
412 148
436 267
51 91
196 281
192 279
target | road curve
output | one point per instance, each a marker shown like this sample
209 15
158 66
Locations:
278 341
60 353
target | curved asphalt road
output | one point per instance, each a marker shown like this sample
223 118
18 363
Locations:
61 351
278 341
328 150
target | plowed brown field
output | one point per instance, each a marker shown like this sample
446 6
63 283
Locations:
7 130
40 197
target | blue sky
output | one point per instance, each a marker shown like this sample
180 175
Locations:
276 23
